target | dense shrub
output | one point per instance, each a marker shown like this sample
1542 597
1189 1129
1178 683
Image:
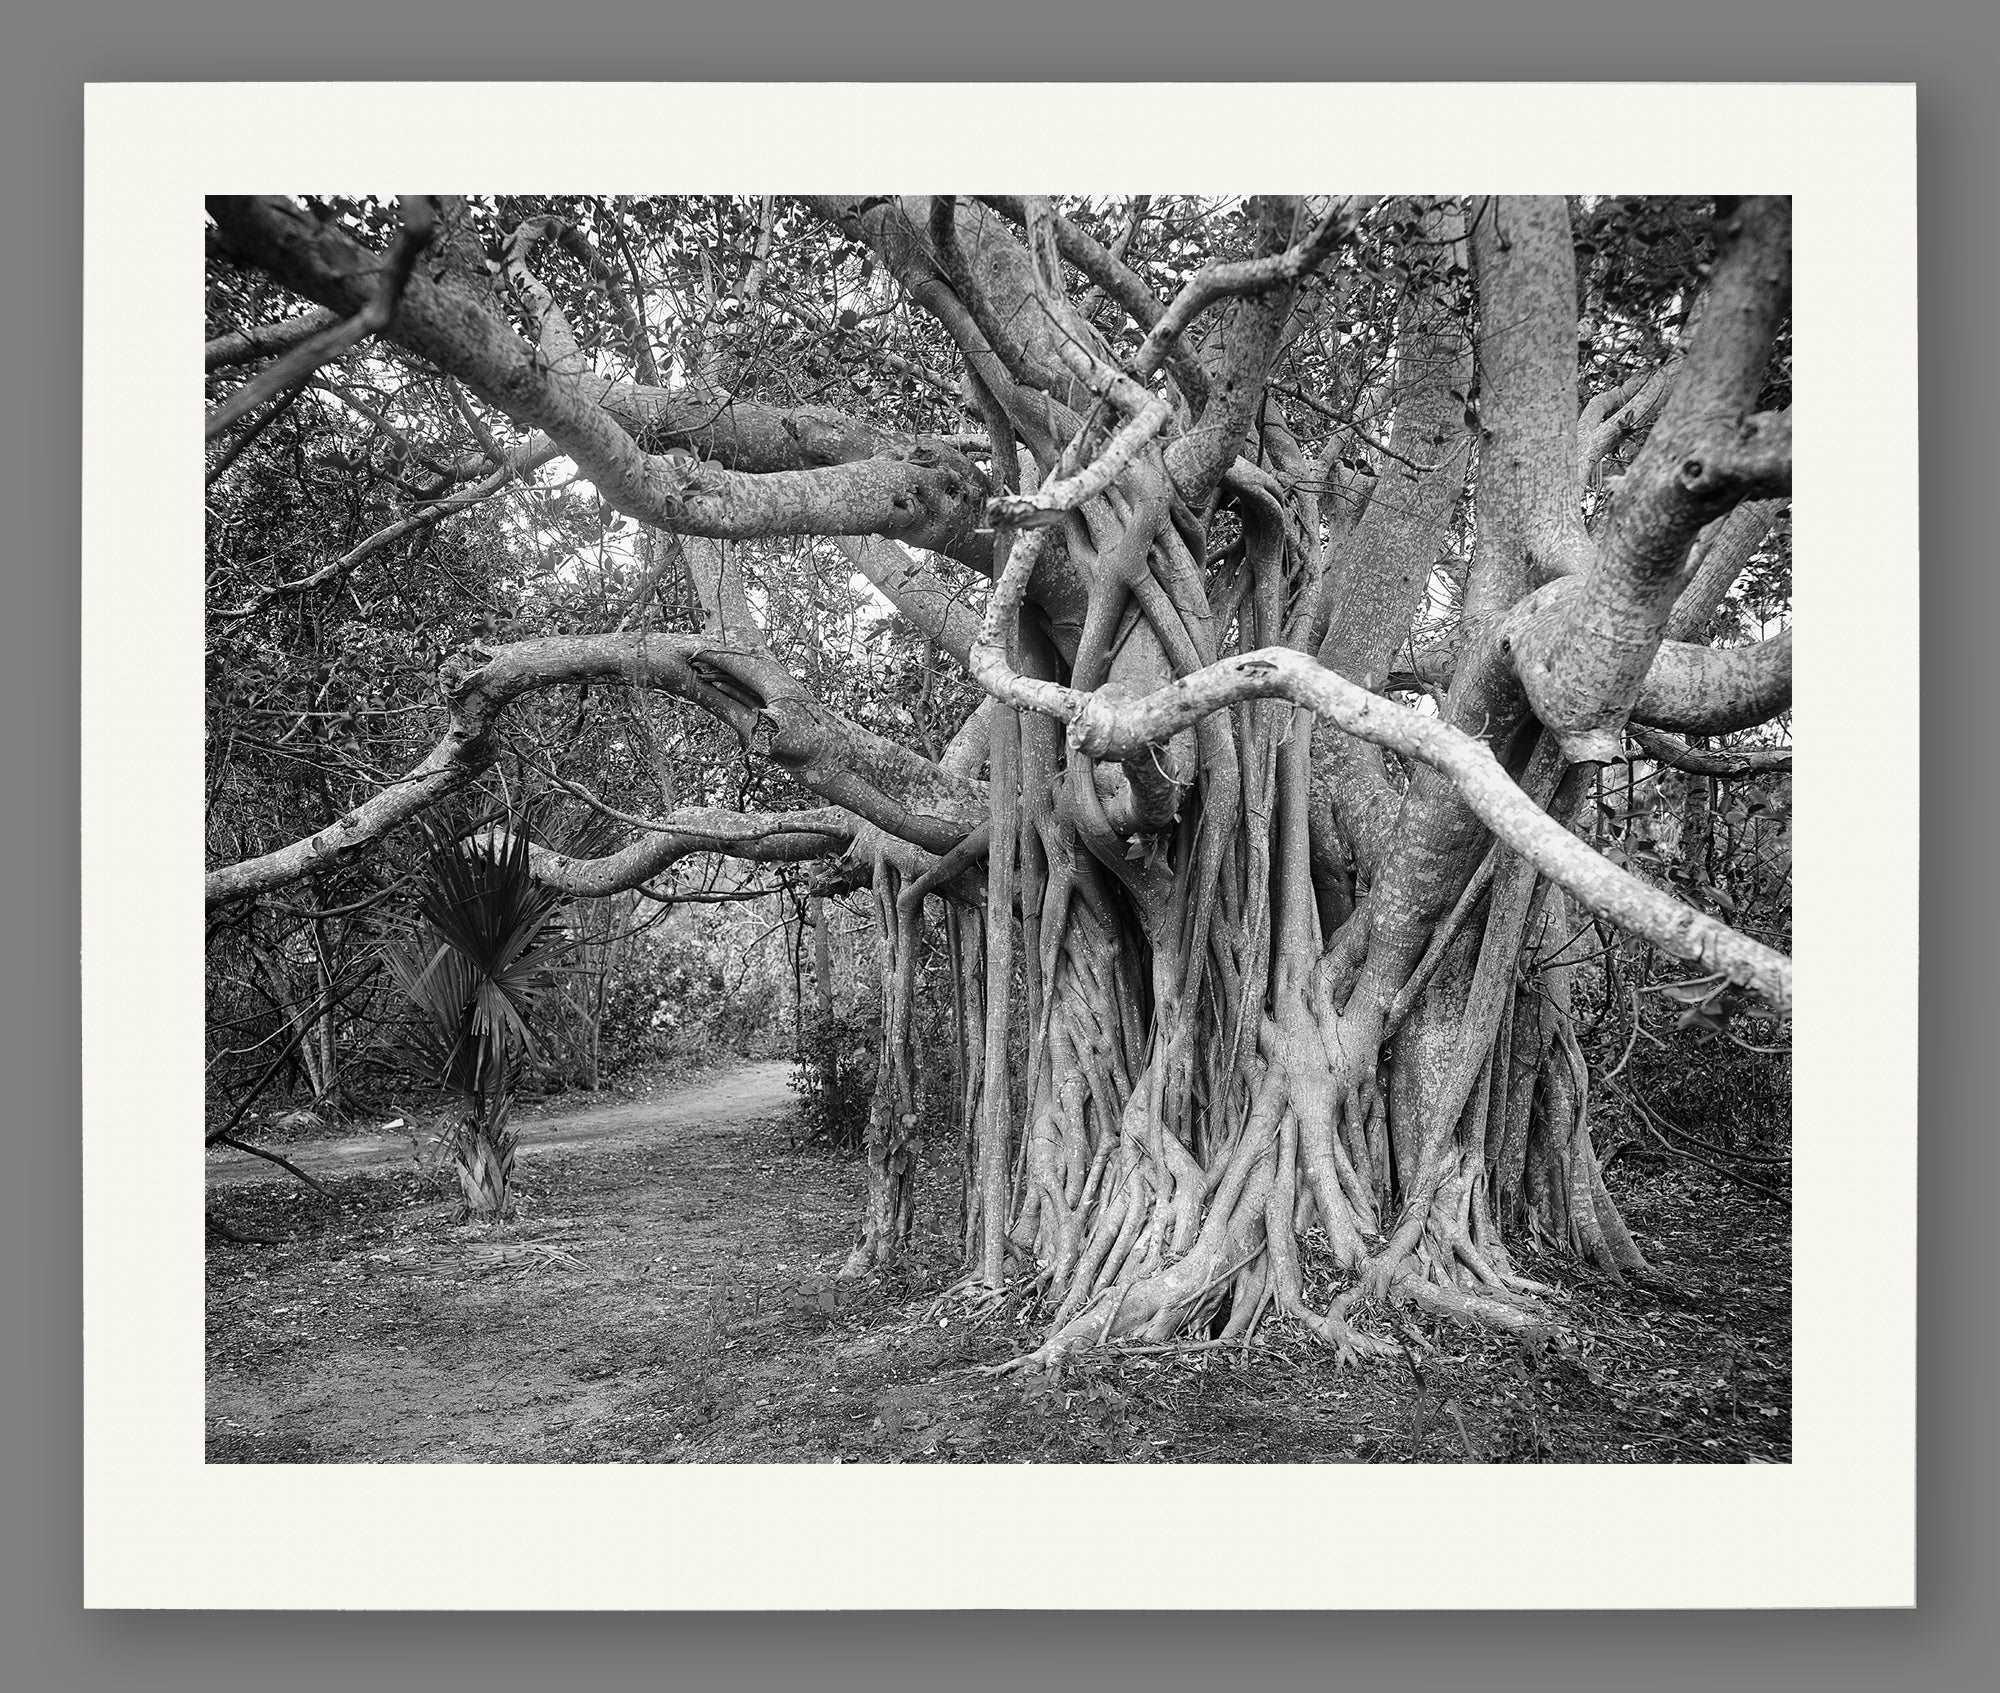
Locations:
833 1073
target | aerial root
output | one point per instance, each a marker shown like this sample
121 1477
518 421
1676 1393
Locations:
1445 1272
1332 1329
1134 1305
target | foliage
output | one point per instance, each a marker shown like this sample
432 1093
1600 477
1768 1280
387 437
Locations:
834 1074
479 960
700 980
481 953
1690 1069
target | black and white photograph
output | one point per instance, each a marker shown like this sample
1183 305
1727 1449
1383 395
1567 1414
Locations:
968 829
1079 879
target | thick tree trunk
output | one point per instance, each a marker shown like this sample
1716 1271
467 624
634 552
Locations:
1176 1176
483 1157
1230 1114
891 1137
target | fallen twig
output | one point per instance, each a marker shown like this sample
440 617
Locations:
276 1158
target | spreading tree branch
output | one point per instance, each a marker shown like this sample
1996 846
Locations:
934 503
265 340
1716 690
1709 761
1113 729
779 838
1585 655
329 343
897 790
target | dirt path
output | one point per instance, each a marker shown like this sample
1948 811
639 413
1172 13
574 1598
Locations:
731 1100
668 1293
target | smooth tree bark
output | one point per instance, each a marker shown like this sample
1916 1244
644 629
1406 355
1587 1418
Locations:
1256 874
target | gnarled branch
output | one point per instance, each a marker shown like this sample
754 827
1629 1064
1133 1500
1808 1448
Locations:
1106 728
900 792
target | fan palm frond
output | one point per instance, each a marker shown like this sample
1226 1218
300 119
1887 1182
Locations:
482 952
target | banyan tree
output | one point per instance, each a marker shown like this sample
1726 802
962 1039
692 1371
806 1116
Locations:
1302 563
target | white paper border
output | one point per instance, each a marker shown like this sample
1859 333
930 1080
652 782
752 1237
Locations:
1835 1527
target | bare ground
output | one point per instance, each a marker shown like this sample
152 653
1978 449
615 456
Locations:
667 1294
733 1099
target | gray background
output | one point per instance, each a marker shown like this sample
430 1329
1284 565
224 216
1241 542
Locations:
1948 50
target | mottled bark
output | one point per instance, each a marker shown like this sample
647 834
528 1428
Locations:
928 504
1586 653
1530 506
